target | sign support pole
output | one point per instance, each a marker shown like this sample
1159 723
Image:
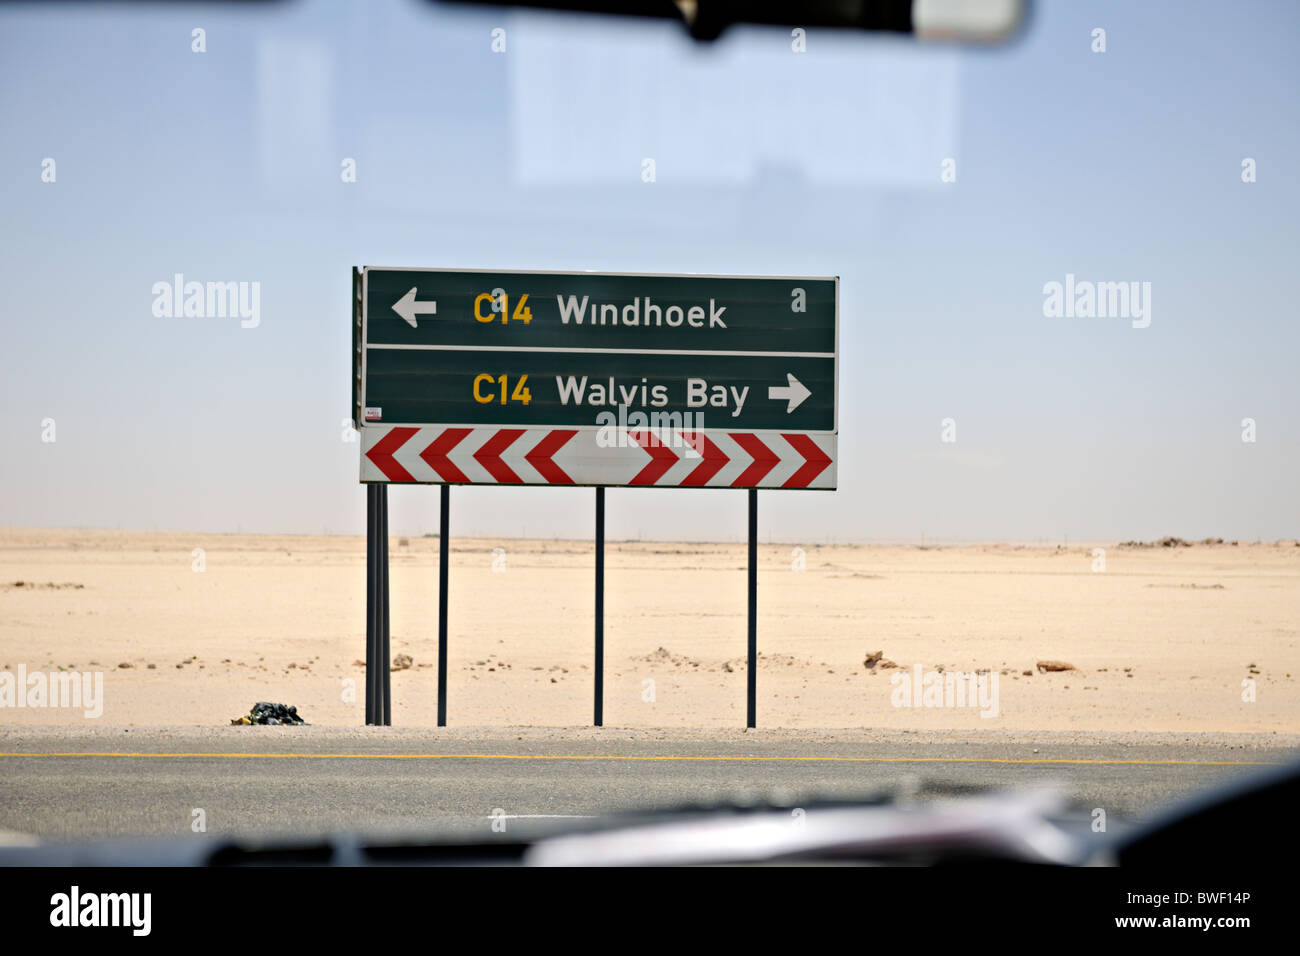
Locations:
443 551
600 607
371 491
385 653
377 708
752 671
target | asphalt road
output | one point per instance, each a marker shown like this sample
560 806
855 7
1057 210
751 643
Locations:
70 783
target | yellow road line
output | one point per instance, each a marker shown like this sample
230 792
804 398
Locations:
813 759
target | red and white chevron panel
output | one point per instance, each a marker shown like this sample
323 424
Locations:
659 458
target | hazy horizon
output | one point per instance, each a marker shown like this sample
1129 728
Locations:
763 539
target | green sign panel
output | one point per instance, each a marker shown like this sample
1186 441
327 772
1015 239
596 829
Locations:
549 349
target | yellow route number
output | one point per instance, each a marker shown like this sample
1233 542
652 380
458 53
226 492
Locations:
519 394
521 314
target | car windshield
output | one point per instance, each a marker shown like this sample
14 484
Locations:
948 504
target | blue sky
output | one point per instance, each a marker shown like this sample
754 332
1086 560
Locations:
224 166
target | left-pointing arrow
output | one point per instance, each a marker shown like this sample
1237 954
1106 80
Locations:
489 456
381 453
408 308
436 456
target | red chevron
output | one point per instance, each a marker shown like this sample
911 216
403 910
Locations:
764 460
489 456
714 459
815 461
540 457
381 453
661 458
435 456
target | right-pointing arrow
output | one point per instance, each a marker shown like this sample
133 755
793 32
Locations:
714 459
794 393
764 460
814 461
662 458
408 308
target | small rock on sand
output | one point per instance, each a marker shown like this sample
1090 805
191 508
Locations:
1044 666
876 659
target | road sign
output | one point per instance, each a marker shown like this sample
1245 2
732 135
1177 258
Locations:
581 378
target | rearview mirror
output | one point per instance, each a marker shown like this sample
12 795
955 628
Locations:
981 21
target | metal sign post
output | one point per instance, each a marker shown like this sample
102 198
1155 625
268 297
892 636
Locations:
596 379
385 650
378 707
444 553
599 718
751 673
372 595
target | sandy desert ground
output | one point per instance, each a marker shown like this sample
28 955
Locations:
1161 640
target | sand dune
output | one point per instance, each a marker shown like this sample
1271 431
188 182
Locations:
1160 641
